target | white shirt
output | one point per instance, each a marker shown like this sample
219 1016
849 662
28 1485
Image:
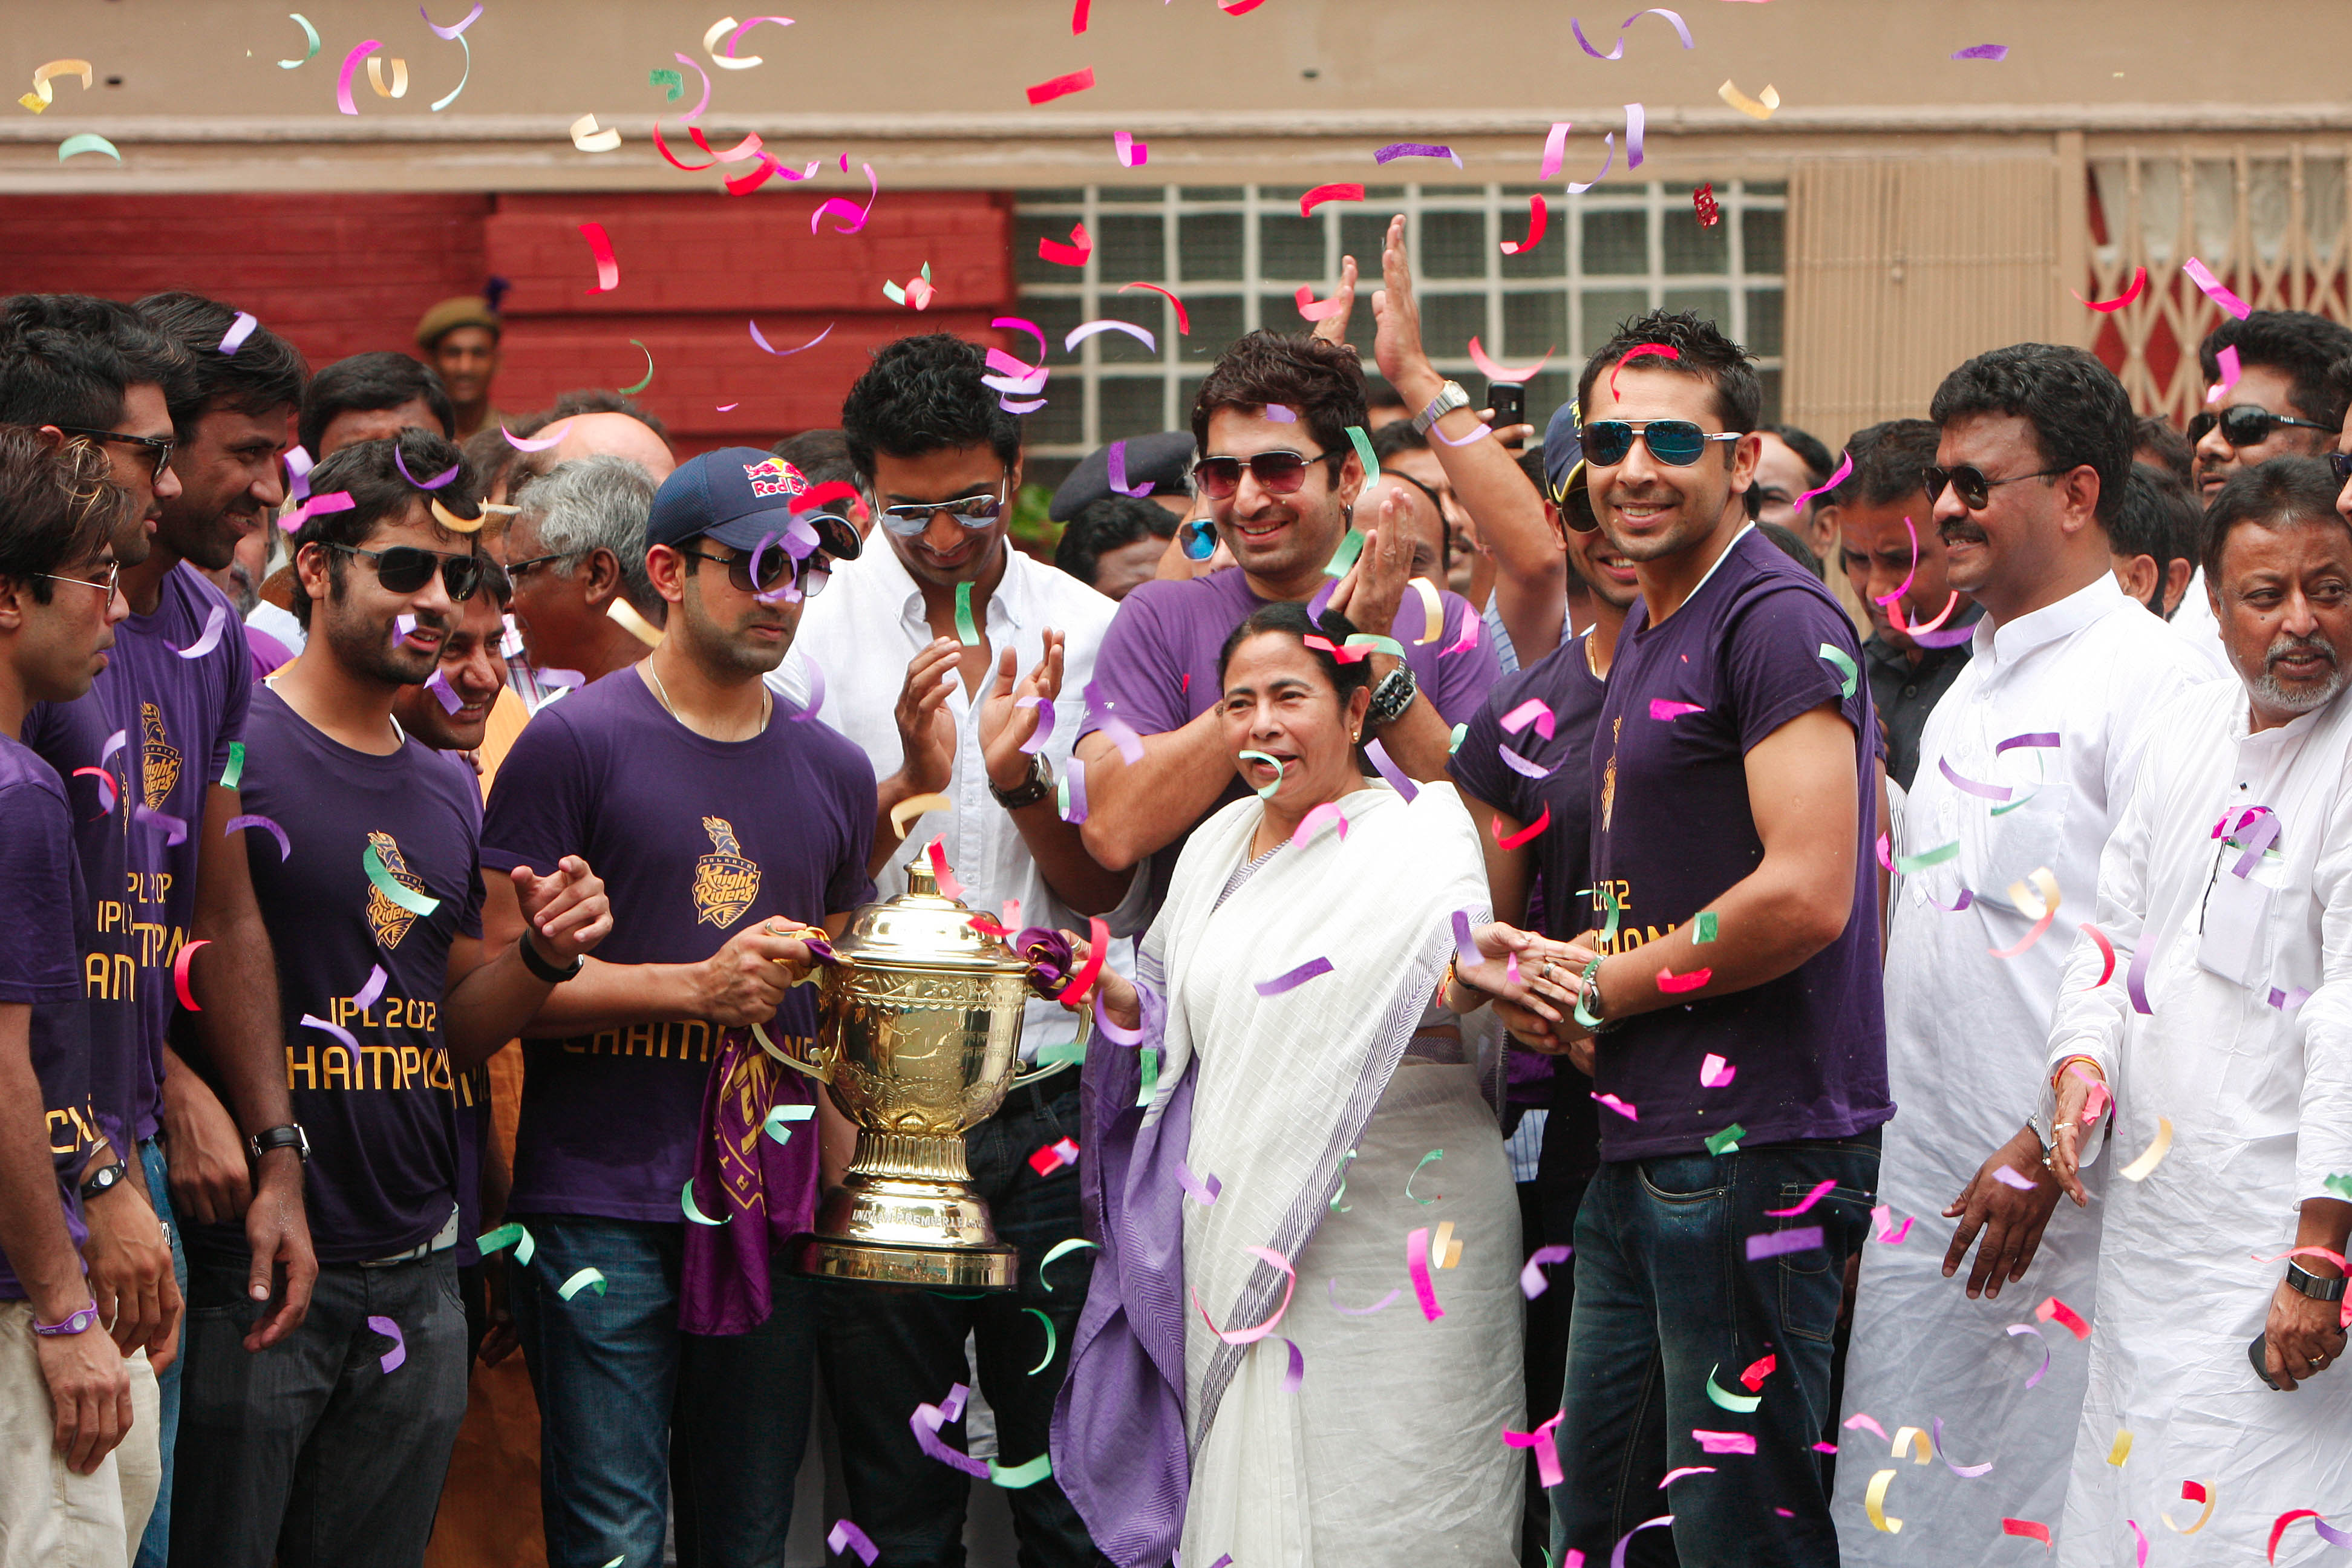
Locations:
274 621
1965 1038
2260 1099
863 631
2194 624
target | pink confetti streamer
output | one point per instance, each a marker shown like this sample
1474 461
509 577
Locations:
1328 811
2030 1529
1664 711
1074 254
1883 1217
1716 1073
608 270
554 437
1416 1261
343 81
1534 711
176 828
1555 149
2230 371
1132 154
2054 1310
307 1021
1725 1442
938 852
1773 1243
1493 372
1844 471
2009 1178
393 1359
847 1536
1675 984
209 638
849 217
364 997
1861 1422
2214 289
238 331
1293 979
1062 86
1984 791
1623 1107
1660 351
1532 1280
1546 1447
284 845
1816 1195
1681 1470
318 506
108 792
1272 1260
2138 282
1315 309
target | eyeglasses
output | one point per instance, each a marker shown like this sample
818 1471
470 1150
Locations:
1968 483
1674 442
405 568
1277 473
2250 425
515 573
809 576
159 448
113 575
2340 465
974 513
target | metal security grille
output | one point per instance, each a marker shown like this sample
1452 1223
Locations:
1236 255
2269 221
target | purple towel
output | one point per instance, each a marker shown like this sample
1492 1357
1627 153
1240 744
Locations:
761 1191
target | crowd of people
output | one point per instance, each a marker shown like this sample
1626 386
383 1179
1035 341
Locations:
1635 969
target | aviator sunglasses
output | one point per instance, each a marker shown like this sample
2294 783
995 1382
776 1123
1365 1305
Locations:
809 576
974 513
1968 483
2249 425
405 569
1277 473
1674 442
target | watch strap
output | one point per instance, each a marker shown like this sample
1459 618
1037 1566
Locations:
553 974
1450 397
287 1135
1391 697
1038 785
2305 1282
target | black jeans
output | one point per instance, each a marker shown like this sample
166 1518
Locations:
1667 1301
309 1451
886 1351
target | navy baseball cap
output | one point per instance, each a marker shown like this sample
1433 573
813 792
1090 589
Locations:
739 496
1163 461
1564 471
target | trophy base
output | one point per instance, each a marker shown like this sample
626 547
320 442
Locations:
990 1268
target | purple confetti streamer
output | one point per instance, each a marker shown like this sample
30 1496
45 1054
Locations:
1200 1191
2135 977
2265 834
925 1423
340 1033
1966 1472
1110 1028
2041 1371
1773 1243
2009 1178
1577 28
847 1537
1532 1282
2040 739
1361 1311
364 997
2290 999
1044 706
209 638
779 353
1982 52
1395 149
1122 735
436 482
438 684
238 331
393 1359
1521 766
1295 1375
1293 979
1985 791
1465 947
298 464
1118 461
176 828
1636 120
284 845
1073 808
1388 770
1617 1558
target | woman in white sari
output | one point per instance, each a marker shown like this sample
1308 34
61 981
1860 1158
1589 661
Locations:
1298 1056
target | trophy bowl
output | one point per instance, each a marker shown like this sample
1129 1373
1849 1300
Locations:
917 1042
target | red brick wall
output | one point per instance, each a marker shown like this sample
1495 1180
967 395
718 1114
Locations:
339 274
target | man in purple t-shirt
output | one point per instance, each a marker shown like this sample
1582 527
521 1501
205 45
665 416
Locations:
64 1391
1281 473
1728 1005
725 826
332 1445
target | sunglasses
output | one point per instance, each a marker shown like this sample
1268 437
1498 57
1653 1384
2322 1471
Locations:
405 569
1674 442
1968 483
974 513
515 573
104 584
1277 473
159 448
2247 425
809 577
2340 465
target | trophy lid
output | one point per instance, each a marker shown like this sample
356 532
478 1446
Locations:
924 928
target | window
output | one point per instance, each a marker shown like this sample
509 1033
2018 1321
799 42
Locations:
1237 254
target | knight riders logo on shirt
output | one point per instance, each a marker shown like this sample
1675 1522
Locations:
159 760
725 883
388 921
775 478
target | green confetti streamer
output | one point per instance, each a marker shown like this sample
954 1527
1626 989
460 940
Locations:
1052 1340
2340 1186
686 1201
1845 667
1019 1476
235 769
1150 1089
586 1279
1071 1050
1060 1249
1265 792
1363 444
1388 646
406 898
463 78
516 1236
670 79
1724 1142
777 1115
1906 864
1706 926
1739 1403
1342 1192
86 142
649 381
1434 1154
311 33
966 631
1351 544
1456 744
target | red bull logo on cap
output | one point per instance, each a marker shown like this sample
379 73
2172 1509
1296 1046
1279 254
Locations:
775 478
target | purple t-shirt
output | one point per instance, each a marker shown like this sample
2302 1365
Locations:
1157 666
69 736
1673 831
41 888
378 1107
695 840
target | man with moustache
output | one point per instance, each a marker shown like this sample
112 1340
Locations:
459 339
2024 767
576 554
727 826
1888 544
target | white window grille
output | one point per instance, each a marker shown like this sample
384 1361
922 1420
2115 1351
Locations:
1237 254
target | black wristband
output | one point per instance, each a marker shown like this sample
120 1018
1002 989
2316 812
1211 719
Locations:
288 1135
540 967
104 1179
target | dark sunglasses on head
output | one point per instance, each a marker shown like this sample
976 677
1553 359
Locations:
1674 442
1968 483
2247 425
405 569
974 513
159 448
1277 473
808 577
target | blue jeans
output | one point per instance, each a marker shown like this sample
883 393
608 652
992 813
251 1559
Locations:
888 1351
155 1547
1667 1298
309 1452
632 1410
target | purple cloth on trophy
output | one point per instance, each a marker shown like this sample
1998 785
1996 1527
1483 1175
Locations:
1118 1438
761 1191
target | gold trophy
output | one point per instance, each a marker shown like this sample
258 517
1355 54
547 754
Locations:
919 1032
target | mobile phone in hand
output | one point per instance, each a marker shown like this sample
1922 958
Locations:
1508 399
2258 1352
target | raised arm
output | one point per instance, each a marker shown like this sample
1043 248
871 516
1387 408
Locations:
1058 847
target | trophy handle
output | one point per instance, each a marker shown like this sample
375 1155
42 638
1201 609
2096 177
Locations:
820 1070
1048 1070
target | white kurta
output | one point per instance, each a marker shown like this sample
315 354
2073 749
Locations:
2260 1099
2194 624
1965 1034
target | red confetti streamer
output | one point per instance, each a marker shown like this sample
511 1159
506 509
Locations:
2053 1309
1493 372
1537 216
179 970
1532 830
1074 254
1183 322
1078 17
1753 1378
2138 282
2106 951
600 245
1062 86
1321 193
1675 985
2026 1528
1315 309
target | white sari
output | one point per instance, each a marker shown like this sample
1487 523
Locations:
1392 1450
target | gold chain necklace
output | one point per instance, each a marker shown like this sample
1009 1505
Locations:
767 703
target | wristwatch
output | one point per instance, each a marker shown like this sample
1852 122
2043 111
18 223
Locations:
1391 697
1449 397
1038 785
553 974
106 1178
2305 1282
288 1136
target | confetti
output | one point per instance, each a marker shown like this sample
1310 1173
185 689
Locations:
1524 835
1739 1403
1860 1422
1758 108
509 1235
1534 711
1707 930
1074 254
1269 1257
1659 350
949 887
1183 320
586 1279
175 829
1315 309
307 1021
2139 1170
1130 152
406 898
1726 1141
1416 1255
777 1115
365 996
1532 1282
1321 193
1874 1503
399 88
1704 204
693 1213
2009 1178
1773 1243
847 1536
86 142
1426 1160
1665 710
1966 1472
1725 1442
915 805
1062 86
1547 1448
1493 372
1680 1471
2197 1493
391 1359
310 33
1757 1371
1086 329
608 270
2015 1330
1395 149
1054 1156
1983 52
1623 1107
179 962
2203 275
2230 371
1716 1073
2122 1448
1059 1249
350 65
849 217
1845 667
106 793
1820 1192
238 331
2138 282
1675 985
1328 811
1538 216
2028 1528
2054 1310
